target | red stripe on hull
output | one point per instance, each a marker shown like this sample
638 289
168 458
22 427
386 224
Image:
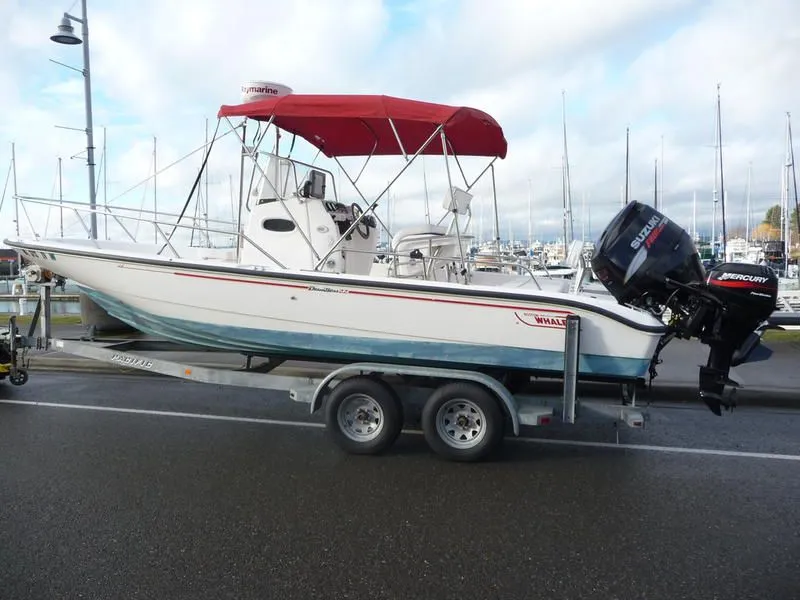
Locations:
358 292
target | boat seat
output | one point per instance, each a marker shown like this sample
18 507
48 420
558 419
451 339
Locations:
417 230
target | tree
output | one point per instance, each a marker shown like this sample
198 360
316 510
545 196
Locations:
772 221
773 217
765 232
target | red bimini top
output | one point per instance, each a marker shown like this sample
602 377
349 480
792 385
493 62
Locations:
356 125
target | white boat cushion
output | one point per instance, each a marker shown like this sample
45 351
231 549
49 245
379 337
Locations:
425 229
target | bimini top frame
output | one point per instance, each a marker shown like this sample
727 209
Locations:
372 125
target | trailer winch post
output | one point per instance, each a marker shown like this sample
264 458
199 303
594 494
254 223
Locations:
571 364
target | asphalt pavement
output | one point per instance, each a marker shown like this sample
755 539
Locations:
115 486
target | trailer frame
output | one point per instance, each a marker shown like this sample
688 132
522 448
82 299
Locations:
464 418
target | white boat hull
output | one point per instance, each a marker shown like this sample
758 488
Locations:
321 315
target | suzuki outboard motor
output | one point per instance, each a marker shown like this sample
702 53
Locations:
646 260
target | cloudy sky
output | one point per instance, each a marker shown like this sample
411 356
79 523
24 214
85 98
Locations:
161 67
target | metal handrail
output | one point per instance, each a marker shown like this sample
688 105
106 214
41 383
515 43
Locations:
109 207
429 261
309 166
77 207
540 264
525 268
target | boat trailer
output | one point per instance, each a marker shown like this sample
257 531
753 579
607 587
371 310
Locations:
464 412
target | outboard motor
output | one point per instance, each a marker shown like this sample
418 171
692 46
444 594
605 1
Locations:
646 260
749 296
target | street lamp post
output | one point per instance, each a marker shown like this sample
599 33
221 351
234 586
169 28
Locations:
66 35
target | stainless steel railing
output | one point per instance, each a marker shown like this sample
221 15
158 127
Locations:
120 214
117 214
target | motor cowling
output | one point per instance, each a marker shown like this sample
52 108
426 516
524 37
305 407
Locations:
750 291
640 252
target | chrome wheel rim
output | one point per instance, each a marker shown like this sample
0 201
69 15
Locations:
360 418
461 423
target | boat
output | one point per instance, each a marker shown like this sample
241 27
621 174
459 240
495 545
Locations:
308 282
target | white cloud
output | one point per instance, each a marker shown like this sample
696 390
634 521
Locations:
161 68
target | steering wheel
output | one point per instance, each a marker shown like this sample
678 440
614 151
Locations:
357 212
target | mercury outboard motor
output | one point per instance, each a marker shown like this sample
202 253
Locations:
646 260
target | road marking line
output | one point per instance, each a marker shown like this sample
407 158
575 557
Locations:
674 449
280 422
165 413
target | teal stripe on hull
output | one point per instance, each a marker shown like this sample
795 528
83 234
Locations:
337 347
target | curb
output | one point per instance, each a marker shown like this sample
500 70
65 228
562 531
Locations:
751 397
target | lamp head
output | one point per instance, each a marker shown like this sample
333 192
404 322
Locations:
66 34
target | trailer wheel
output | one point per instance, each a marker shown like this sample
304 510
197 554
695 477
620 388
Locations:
364 415
462 421
19 378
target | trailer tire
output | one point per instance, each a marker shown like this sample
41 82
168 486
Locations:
463 421
364 415
19 378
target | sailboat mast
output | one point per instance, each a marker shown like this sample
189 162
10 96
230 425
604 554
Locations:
60 201
480 225
721 175
694 216
655 185
589 220
206 201
14 181
530 206
16 199
569 233
155 190
661 178
747 204
425 183
716 179
496 219
786 223
105 183
794 177
627 166
583 217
